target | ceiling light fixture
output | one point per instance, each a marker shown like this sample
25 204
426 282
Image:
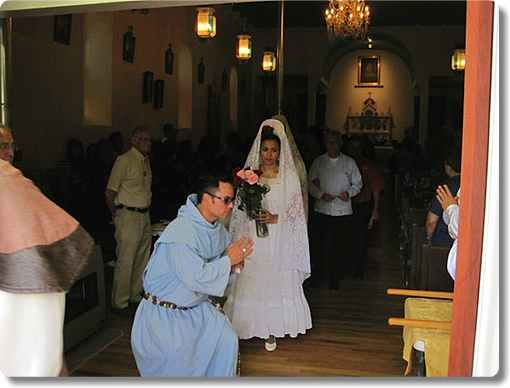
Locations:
269 60
347 18
459 59
243 47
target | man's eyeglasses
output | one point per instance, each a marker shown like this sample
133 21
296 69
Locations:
6 147
147 140
225 200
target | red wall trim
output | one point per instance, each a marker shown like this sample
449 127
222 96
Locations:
479 25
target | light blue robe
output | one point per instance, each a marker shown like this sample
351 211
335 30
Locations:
188 264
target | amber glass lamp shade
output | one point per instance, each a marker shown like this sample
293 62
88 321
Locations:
205 25
269 61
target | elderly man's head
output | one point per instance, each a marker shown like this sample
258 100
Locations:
333 142
7 146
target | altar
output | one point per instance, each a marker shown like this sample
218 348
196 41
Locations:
378 126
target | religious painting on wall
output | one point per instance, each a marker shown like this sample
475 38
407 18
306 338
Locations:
369 70
128 48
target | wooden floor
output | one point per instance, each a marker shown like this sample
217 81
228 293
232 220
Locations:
350 335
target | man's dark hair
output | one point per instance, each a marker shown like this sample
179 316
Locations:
210 183
454 159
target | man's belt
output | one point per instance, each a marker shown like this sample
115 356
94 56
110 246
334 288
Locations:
133 209
170 305
162 303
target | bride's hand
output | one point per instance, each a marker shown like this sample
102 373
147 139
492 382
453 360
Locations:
266 217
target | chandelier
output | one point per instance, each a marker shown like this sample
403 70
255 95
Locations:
346 18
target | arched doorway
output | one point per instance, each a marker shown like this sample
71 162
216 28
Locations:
339 91
394 96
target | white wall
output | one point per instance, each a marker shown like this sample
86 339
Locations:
396 92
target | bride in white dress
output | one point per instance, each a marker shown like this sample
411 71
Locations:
267 300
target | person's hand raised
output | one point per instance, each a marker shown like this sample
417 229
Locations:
445 197
239 250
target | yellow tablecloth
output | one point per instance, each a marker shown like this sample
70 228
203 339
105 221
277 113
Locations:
437 342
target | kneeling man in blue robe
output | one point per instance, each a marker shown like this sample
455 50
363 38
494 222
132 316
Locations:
178 330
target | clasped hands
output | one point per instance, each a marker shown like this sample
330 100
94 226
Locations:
238 251
344 196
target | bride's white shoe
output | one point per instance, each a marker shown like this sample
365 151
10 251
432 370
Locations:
271 347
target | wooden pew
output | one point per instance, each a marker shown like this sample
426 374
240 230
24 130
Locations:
418 240
434 275
418 217
404 216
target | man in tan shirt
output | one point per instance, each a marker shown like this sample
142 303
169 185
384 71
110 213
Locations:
128 195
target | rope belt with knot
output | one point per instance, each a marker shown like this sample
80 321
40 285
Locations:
171 305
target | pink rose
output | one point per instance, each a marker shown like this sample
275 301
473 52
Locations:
253 179
248 174
241 174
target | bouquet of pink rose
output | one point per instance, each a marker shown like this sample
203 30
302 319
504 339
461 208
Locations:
250 194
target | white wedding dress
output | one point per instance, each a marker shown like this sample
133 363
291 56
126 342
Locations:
267 297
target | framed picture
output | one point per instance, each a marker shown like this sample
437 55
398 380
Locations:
159 86
62 29
128 48
147 86
369 70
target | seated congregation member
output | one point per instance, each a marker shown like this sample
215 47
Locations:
178 330
74 181
43 251
450 205
436 229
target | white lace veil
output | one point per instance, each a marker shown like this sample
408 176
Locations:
292 247
298 162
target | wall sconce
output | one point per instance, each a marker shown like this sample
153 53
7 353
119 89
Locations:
269 61
369 39
243 48
458 59
205 25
